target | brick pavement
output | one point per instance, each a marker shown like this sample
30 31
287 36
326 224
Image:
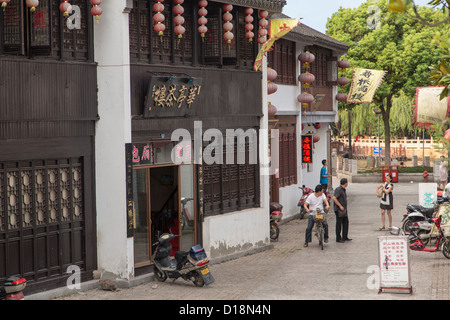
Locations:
289 271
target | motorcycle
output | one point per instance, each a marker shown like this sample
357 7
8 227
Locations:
416 213
191 266
12 289
275 216
442 241
305 193
422 230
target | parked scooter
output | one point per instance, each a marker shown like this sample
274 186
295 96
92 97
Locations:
275 216
416 213
442 242
12 289
191 266
305 193
422 230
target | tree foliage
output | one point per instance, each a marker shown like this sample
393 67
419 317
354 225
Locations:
396 43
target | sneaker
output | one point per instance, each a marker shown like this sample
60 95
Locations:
306 244
325 240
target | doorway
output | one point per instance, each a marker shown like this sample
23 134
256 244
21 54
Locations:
164 203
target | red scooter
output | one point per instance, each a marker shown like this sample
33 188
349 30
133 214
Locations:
12 289
275 217
417 244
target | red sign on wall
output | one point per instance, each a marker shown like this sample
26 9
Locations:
307 145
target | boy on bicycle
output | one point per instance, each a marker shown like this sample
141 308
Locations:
315 200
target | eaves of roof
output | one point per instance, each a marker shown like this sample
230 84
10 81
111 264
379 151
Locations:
273 6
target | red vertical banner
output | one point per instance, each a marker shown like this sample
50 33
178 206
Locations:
307 146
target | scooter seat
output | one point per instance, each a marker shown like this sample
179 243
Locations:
180 256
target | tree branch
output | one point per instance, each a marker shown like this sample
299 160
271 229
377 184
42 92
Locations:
425 22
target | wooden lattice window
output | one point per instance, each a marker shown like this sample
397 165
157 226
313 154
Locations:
45 32
231 187
282 59
288 151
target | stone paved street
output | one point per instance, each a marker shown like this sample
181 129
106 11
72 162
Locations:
289 271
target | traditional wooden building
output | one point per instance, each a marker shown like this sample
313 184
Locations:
48 111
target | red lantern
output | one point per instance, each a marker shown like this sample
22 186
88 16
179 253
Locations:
316 138
317 125
343 64
158 18
202 21
305 98
32 4
306 77
271 87
271 110
65 7
342 97
342 81
179 20
228 26
4 3
249 24
447 135
96 11
271 74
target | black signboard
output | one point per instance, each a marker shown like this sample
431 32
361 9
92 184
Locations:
171 96
131 214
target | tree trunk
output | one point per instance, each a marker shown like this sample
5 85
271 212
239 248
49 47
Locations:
387 130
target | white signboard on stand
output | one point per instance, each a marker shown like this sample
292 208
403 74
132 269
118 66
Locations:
427 194
394 263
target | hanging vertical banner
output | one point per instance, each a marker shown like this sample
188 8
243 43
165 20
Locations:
278 29
429 108
394 263
364 84
307 146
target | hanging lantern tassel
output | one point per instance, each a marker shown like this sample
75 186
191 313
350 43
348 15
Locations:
202 21
179 20
4 3
32 4
65 7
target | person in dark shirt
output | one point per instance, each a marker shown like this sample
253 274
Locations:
340 205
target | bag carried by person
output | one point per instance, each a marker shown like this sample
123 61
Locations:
380 192
342 213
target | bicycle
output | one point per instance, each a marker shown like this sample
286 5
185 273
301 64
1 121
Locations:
319 229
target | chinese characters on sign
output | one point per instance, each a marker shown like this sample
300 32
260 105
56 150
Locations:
394 262
307 145
171 96
364 84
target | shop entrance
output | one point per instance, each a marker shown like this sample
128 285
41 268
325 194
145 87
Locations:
164 202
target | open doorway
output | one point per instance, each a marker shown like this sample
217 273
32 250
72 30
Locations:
164 203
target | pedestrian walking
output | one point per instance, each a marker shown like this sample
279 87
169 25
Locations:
341 212
443 172
315 200
324 175
387 201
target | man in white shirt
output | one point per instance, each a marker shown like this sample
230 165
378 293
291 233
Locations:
315 201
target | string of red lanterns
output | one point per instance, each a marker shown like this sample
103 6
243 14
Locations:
342 81
202 21
96 11
271 88
179 20
159 18
306 58
263 23
228 36
249 24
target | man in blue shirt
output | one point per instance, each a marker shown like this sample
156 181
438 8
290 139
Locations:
324 176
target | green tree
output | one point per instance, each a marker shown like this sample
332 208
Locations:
397 44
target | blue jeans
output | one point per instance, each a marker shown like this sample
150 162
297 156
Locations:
310 227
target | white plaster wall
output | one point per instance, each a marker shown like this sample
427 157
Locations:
311 179
250 230
113 130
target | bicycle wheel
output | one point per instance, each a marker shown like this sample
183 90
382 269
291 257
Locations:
321 232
